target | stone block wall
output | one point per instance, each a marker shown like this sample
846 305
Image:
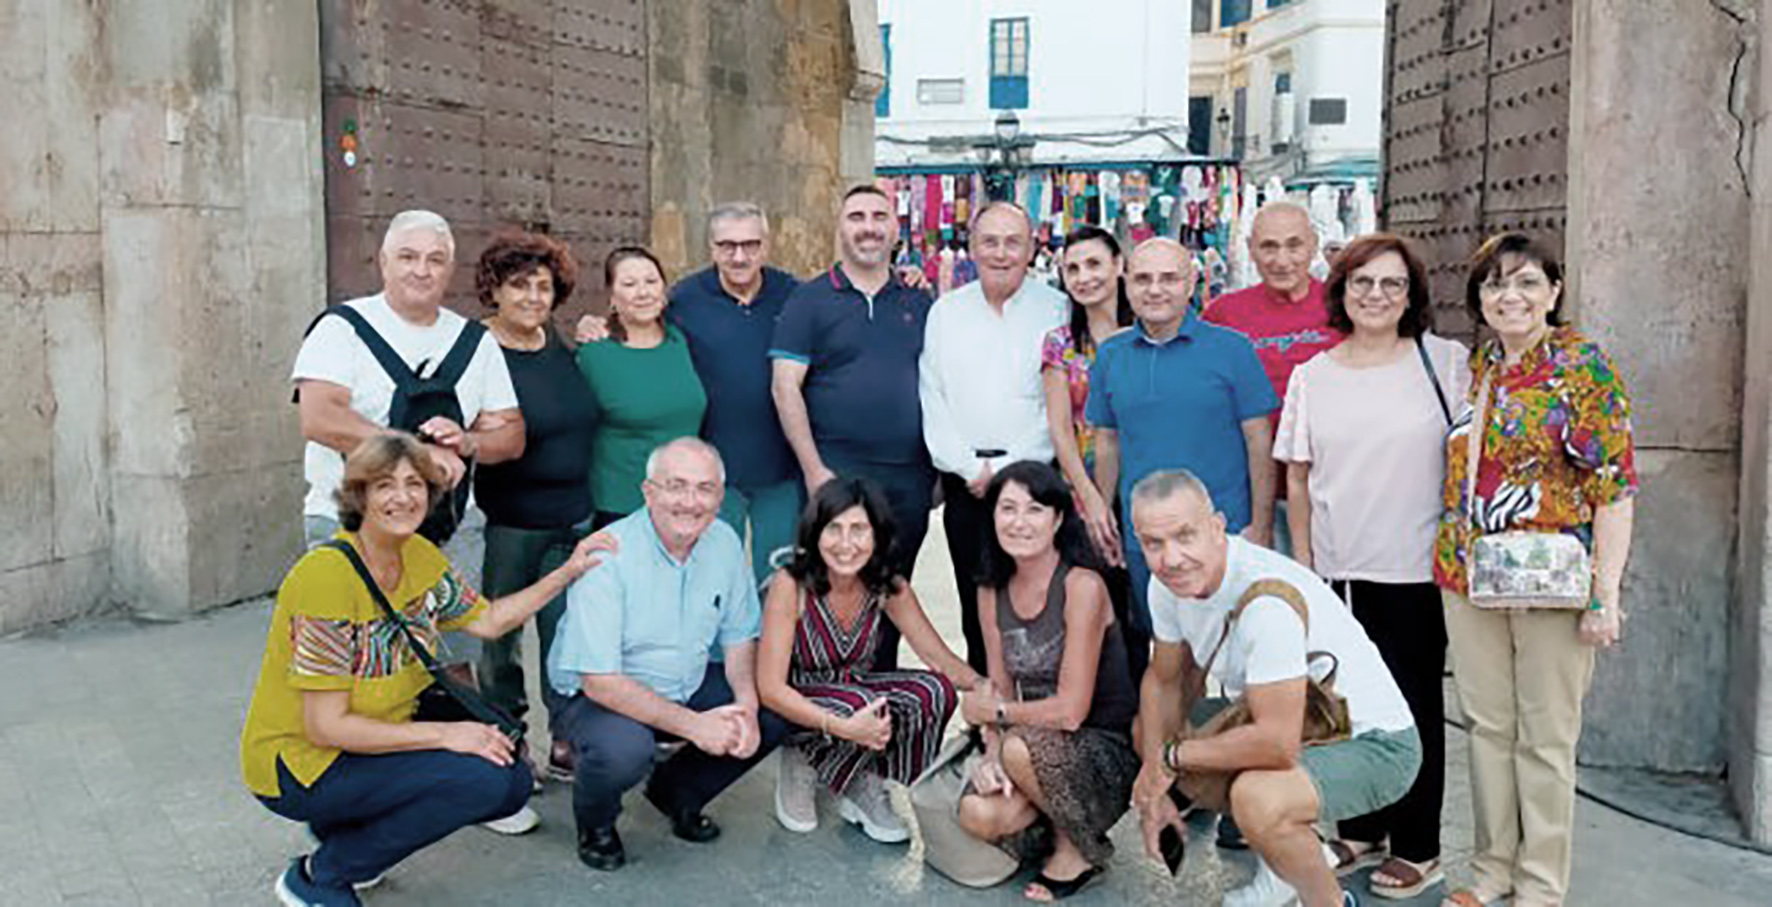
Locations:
752 100
162 226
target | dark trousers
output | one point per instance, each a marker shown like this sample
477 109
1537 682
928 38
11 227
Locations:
909 490
615 752
966 521
515 560
1407 624
371 812
1138 642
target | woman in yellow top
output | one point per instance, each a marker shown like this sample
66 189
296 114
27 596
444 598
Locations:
330 738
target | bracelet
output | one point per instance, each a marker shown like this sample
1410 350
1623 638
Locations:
824 725
1171 755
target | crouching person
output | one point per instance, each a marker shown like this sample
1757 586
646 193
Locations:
1256 645
632 655
331 738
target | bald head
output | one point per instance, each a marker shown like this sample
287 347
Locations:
1159 281
1282 242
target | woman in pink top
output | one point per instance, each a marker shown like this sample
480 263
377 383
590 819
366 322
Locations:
1362 435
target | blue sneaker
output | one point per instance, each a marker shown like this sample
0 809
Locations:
295 888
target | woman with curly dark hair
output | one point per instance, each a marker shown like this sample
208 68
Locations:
1058 710
539 505
815 664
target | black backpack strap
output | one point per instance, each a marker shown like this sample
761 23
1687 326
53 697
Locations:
470 700
460 354
390 361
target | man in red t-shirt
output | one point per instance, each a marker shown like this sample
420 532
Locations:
1285 315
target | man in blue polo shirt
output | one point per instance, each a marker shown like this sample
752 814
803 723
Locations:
845 356
728 312
1177 393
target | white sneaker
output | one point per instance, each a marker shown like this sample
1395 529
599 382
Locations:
796 792
867 804
521 822
1265 890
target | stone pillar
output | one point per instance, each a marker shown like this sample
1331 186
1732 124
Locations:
1750 658
55 491
1657 206
210 204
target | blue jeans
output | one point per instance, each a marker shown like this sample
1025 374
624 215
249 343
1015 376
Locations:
371 812
774 513
615 752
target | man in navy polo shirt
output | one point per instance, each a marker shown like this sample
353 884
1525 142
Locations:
1177 393
728 312
845 387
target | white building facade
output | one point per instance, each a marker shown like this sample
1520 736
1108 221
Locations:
1099 81
1292 88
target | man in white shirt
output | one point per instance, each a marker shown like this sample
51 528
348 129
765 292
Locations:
1199 574
346 395
979 382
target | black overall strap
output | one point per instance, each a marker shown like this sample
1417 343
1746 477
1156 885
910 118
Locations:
482 710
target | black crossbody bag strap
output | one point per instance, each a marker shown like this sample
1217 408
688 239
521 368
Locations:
1427 363
483 711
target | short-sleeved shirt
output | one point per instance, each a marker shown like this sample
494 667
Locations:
861 381
1268 644
333 353
1058 352
1181 404
644 398
1556 447
729 342
1375 439
327 633
1286 334
651 618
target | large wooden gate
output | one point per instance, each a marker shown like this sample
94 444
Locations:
493 113
1476 130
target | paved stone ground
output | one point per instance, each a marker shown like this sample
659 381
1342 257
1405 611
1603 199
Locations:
119 784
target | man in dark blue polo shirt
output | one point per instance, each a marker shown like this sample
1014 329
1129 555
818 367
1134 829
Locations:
1178 393
729 312
845 386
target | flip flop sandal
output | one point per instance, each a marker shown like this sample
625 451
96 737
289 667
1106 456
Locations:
1347 862
1061 890
1410 879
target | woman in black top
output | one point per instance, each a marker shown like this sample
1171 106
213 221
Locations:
1058 714
539 505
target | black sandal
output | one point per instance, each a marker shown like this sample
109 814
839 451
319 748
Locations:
1064 889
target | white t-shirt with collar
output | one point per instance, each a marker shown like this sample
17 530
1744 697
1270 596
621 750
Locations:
334 353
1268 643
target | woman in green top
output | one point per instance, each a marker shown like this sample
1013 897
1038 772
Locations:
643 382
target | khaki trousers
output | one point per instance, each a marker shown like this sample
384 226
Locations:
1521 677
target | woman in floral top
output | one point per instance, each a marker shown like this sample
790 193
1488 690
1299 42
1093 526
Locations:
1556 456
1099 308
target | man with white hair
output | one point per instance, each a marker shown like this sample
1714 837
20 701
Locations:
1286 316
398 359
632 656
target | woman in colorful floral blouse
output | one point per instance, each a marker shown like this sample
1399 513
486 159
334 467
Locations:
1556 456
1099 308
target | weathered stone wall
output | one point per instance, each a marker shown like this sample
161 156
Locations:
1658 216
161 215
1750 656
751 99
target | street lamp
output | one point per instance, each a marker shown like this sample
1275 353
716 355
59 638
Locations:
1003 153
1008 129
1224 130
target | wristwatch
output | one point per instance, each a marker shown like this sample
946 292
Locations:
1002 714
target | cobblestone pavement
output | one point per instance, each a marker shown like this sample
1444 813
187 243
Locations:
119 784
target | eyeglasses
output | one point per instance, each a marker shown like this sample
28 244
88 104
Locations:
727 247
677 488
1363 284
1527 284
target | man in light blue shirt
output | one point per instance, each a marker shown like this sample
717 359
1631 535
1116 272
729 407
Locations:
632 655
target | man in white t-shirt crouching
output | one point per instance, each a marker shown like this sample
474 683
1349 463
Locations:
1281 789
345 394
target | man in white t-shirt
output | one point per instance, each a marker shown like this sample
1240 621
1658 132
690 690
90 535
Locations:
1198 575
345 394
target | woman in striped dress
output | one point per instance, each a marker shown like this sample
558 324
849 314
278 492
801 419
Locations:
815 666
